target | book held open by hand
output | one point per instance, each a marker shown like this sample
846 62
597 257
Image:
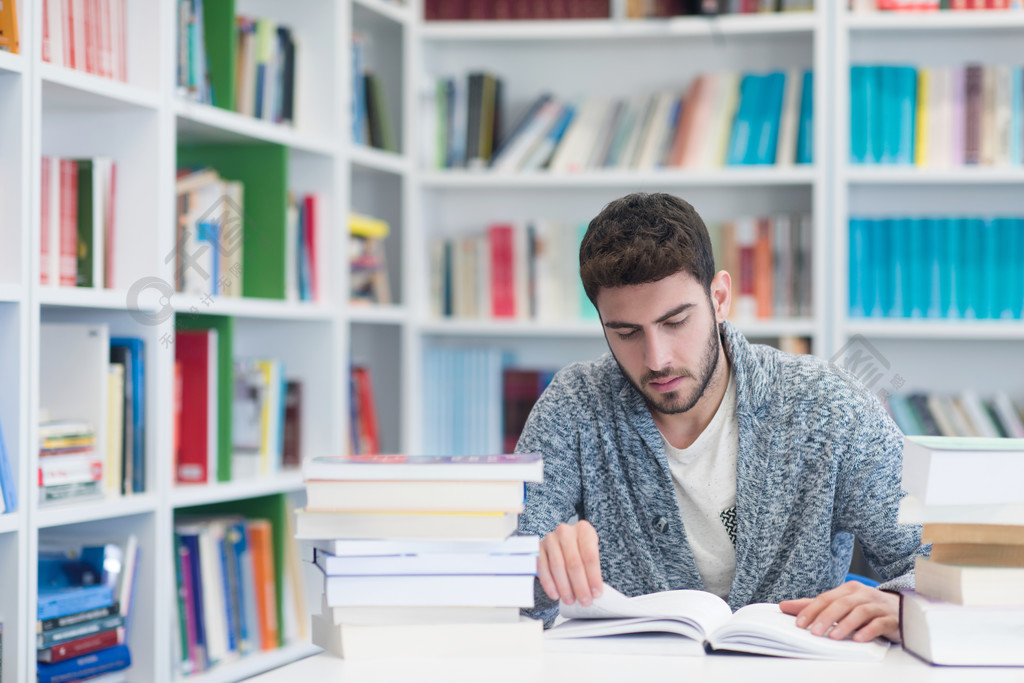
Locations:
687 622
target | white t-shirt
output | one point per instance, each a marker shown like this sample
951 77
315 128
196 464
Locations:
705 480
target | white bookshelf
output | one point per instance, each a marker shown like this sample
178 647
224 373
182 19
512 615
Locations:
930 355
624 180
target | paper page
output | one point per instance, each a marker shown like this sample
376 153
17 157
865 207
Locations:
765 629
650 644
706 610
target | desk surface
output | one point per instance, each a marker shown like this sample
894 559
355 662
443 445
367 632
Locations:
898 667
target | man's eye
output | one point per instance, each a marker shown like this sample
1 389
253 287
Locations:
627 335
678 323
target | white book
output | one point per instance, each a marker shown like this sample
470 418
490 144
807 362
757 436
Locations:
966 585
313 525
944 633
914 511
940 104
940 470
497 467
518 150
1003 76
392 546
655 132
700 619
578 139
417 615
727 99
214 600
524 637
785 153
1008 415
414 496
425 563
426 591
978 416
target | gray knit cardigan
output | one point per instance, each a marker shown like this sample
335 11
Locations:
819 463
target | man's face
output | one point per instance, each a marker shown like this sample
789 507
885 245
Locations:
664 336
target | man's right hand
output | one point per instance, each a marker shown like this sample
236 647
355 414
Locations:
569 567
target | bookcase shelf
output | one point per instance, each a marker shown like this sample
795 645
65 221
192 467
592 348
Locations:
71 88
966 330
92 510
370 159
382 314
189 496
10 293
994 20
727 177
88 297
246 307
908 175
624 29
11 63
10 523
254 664
205 124
401 14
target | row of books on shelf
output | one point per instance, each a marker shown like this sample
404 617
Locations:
9 28
931 5
368 269
937 117
8 484
415 555
963 415
943 267
235 422
213 235
85 607
92 431
232 600
239 63
77 221
966 493
87 35
371 117
722 119
636 9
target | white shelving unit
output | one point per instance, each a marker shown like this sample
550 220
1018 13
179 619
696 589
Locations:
930 355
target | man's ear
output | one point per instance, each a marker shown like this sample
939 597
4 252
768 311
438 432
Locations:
721 295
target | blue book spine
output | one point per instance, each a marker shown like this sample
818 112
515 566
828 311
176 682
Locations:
235 538
1006 278
953 256
898 302
229 616
757 116
65 601
933 307
860 285
875 128
136 348
805 129
1017 116
989 270
1016 246
740 136
881 267
102 661
919 260
191 542
770 138
7 482
907 109
970 267
888 102
859 114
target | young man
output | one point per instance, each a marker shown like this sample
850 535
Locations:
694 459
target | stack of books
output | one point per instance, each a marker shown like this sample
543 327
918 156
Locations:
968 608
417 557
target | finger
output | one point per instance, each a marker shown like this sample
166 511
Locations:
887 626
544 574
858 616
794 607
591 557
811 611
835 612
556 563
570 546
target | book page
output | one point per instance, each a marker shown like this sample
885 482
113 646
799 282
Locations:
704 610
765 629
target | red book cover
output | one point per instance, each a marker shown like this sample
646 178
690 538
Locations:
70 48
763 269
192 351
68 222
45 43
81 646
44 223
503 291
369 430
310 235
91 21
121 40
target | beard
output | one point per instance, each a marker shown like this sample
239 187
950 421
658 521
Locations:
675 402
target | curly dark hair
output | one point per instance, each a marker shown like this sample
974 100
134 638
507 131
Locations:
643 238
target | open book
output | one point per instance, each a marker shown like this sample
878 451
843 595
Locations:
684 622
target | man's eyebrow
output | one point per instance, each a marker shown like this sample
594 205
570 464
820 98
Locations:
616 324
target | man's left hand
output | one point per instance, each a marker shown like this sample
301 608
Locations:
852 608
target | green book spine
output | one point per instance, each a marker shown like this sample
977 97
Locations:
263 170
225 380
221 38
84 251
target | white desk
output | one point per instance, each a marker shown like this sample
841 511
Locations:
898 667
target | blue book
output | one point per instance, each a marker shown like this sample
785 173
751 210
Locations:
190 541
970 268
907 108
741 134
954 302
772 97
235 543
860 284
1017 115
1006 278
135 373
989 270
805 127
919 260
933 233
230 615
102 661
757 115
875 128
900 269
1016 246
7 483
859 113
60 602
888 106
881 267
